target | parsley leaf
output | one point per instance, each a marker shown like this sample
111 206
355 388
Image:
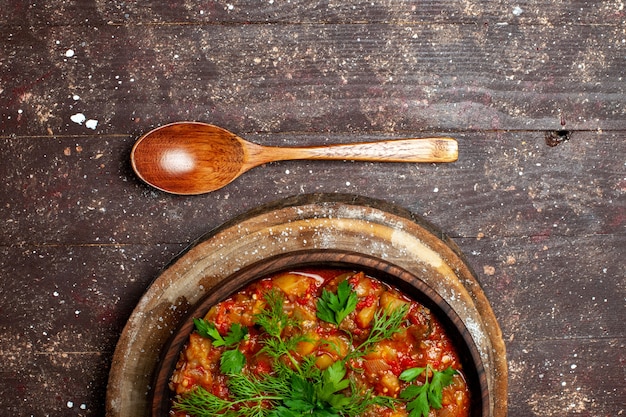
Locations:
419 406
208 330
333 308
409 375
439 381
332 382
235 334
317 397
421 398
302 395
232 362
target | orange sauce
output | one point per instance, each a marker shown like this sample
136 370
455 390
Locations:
421 341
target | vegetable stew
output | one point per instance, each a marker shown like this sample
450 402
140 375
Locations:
319 342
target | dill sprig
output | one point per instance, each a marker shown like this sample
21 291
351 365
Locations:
385 324
202 403
274 321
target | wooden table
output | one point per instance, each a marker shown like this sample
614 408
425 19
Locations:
533 90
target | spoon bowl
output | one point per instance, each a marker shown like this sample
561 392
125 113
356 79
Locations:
191 158
188 158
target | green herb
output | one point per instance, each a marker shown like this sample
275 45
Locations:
273 318
207 329
319 396
232 361
274 321
297 388
235 334
384 325
202 403
421 398
333 381
333 308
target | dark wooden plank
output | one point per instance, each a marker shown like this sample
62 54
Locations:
313 78
557 378
557 288
83 12
74 298
82 190
57 383
543 226
63 309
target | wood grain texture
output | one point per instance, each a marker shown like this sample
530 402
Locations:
541 12
543 226
319 77
63 309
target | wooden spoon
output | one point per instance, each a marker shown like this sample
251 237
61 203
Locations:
195 158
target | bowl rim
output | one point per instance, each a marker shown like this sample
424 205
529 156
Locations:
406 281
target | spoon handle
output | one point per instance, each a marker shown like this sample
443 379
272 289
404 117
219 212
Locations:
442 149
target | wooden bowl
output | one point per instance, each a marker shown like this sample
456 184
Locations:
348 230
407 282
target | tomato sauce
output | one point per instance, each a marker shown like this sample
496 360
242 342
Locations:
420 341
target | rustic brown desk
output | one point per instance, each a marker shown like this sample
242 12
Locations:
534 91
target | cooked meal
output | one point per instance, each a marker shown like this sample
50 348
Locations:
323 342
